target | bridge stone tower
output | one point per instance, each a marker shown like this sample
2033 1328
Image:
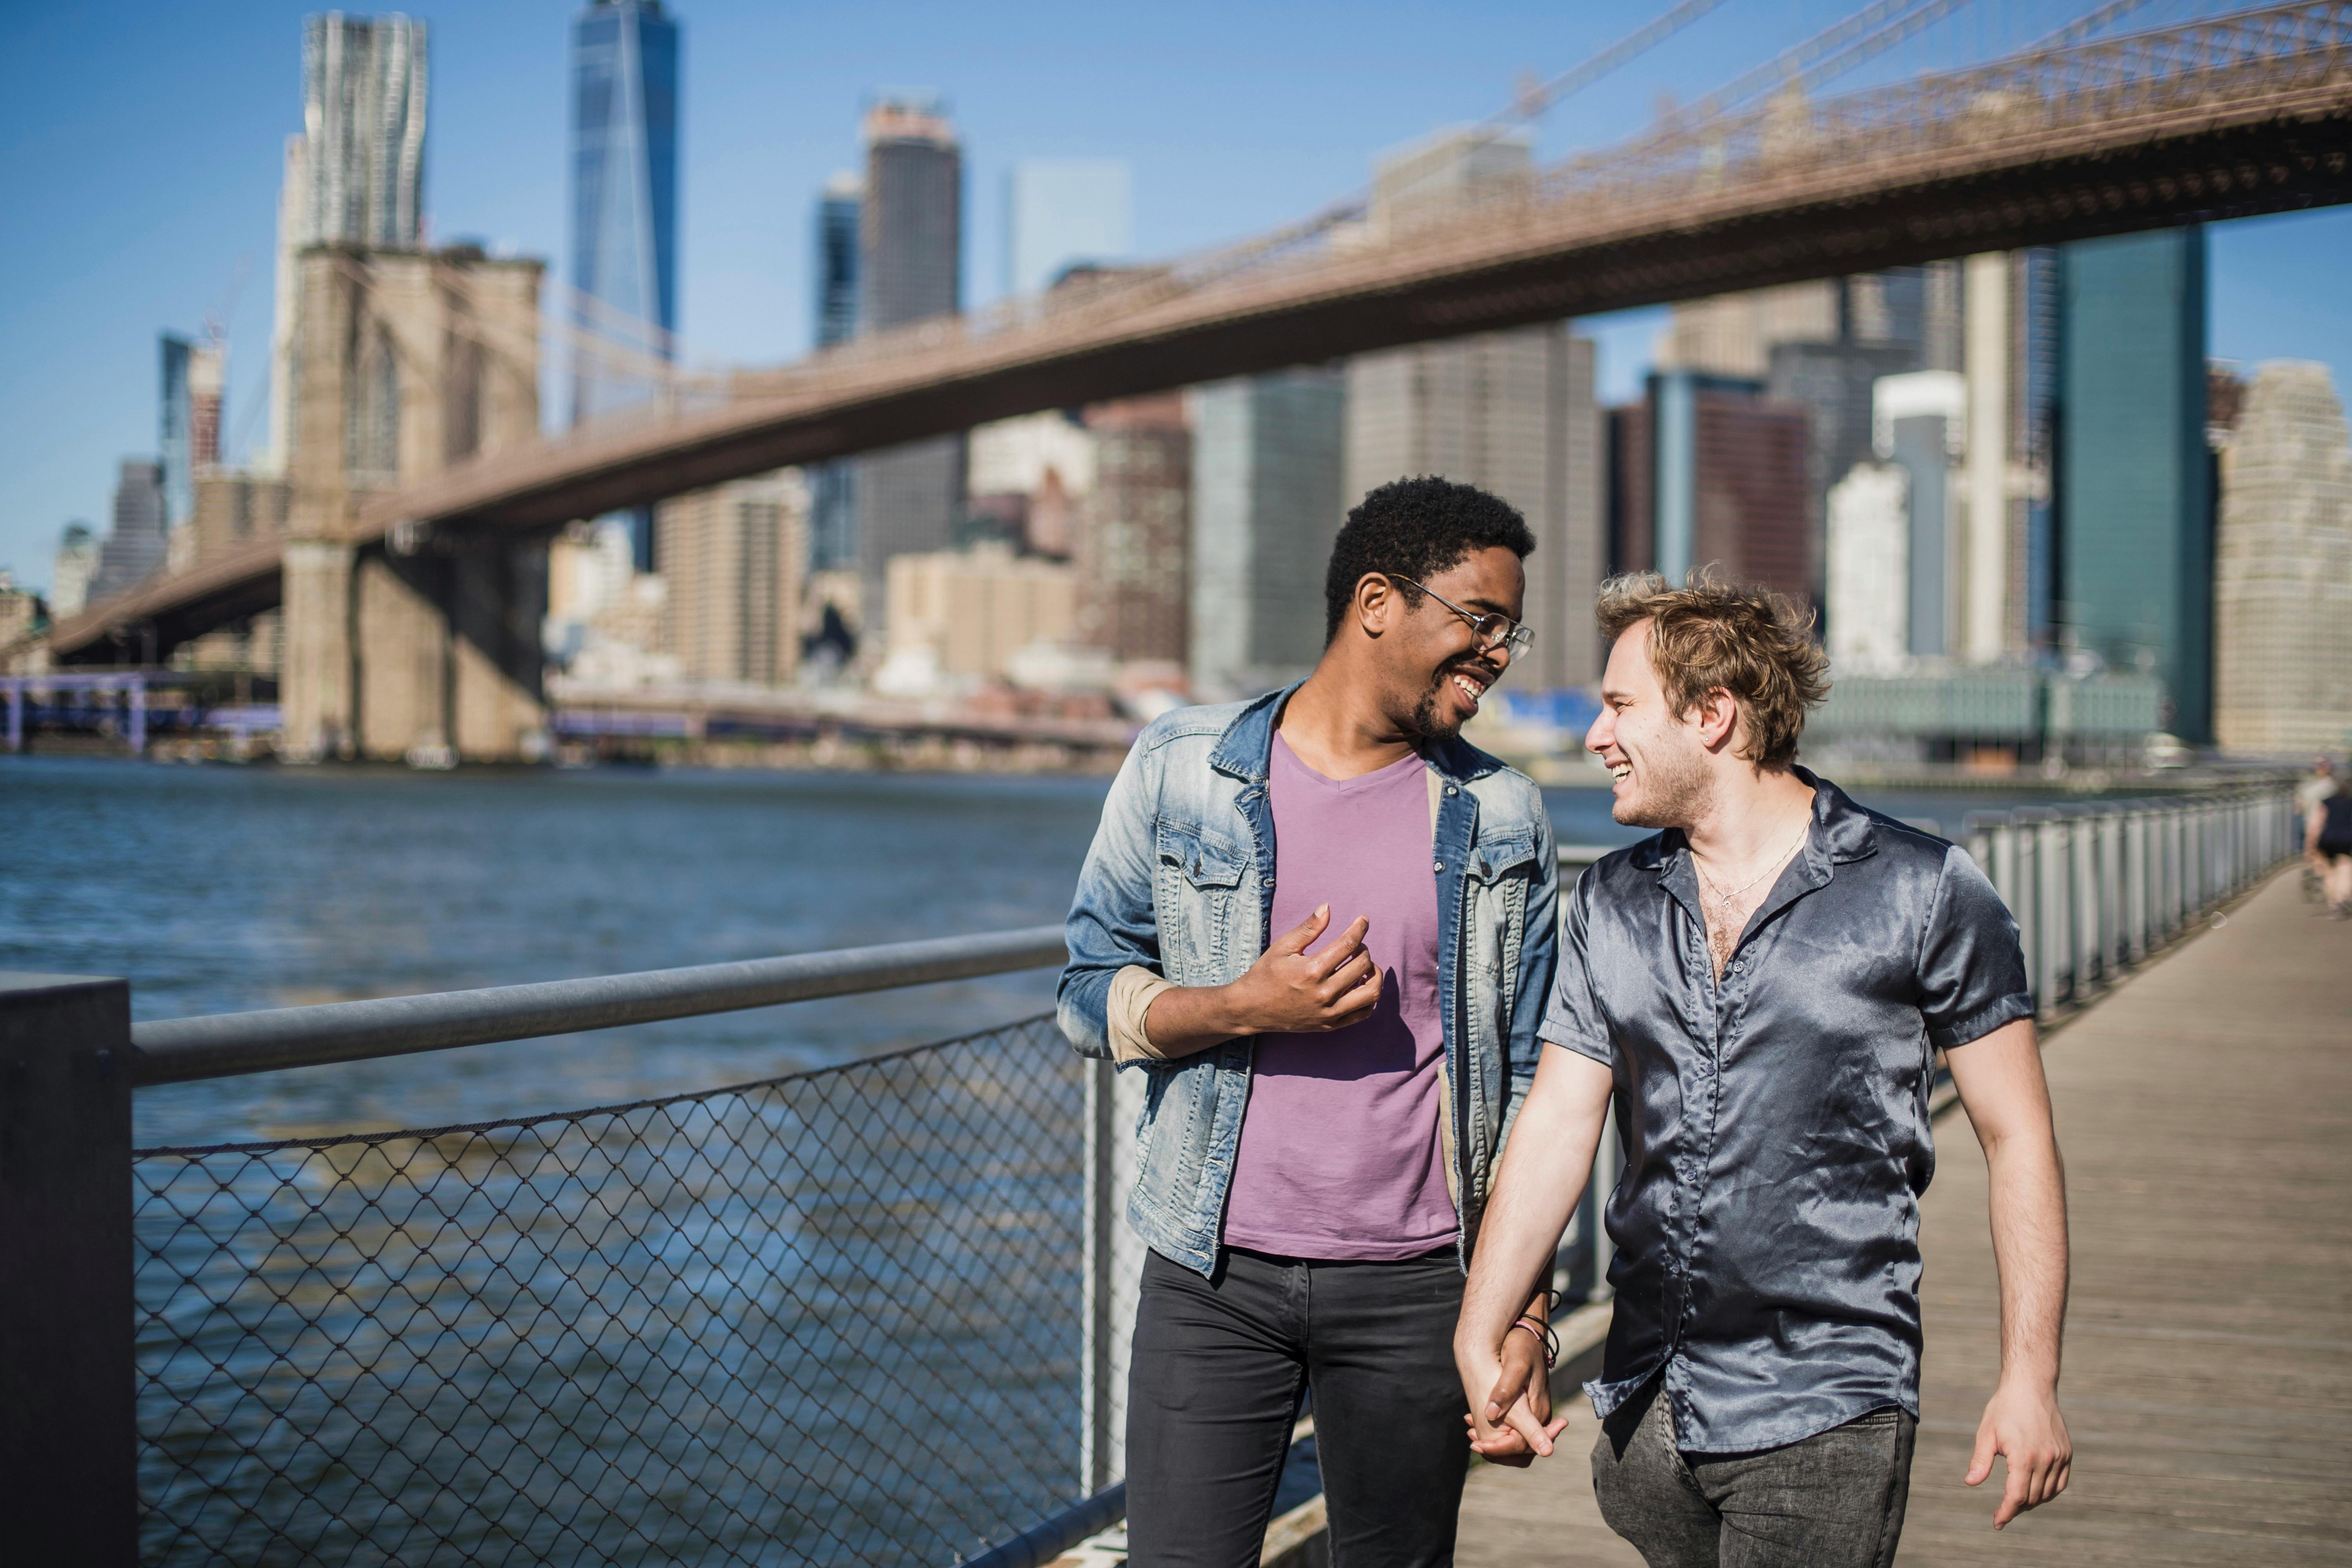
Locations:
422 644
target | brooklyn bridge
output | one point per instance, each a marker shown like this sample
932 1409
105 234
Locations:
418 579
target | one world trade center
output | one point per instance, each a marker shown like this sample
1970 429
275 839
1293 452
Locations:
624 211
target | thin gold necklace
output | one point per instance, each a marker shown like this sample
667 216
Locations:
1722 899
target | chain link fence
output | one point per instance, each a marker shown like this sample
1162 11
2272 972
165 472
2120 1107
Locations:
830 1318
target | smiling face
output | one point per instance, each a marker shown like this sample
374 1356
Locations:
1659 766
1433 673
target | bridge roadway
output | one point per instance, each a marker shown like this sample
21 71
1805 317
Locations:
2226 117
2205 1111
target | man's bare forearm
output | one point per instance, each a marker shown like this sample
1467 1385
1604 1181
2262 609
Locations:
1189 1018
2028 1201
1286 991
2001 1085
1542 1176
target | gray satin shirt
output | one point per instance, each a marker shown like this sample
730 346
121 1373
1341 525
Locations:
1775 1126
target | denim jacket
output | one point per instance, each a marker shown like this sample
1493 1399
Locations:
1180 882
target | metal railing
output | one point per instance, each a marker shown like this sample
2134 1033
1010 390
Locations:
876 1312
842 1316
2097 888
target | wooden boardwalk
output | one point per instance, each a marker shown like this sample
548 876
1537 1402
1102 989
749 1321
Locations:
2205 1112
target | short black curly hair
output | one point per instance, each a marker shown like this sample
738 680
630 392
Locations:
1416 528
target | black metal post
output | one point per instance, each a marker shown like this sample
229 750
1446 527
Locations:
69 1430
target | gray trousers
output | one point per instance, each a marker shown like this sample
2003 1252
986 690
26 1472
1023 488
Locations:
1831 1500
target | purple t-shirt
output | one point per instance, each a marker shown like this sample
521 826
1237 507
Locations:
1340 1155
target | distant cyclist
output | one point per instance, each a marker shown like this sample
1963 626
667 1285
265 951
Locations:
2327 839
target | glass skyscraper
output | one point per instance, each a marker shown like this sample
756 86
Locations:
623 209
2135 566
833 487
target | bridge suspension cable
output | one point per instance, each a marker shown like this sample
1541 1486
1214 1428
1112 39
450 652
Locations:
1575 79
1828 54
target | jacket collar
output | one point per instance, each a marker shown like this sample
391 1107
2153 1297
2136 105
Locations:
1247 748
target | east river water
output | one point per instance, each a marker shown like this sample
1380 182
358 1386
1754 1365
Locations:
225 888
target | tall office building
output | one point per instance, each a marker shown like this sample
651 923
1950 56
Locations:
624 213
1920 425
2135 497
2282 588
135 546
910 270
833 487
623 200
1709 471
2033 570
1869 571
190 419
1817 346
1062 212
1267 499
354 174
1030 476
76 564
1133 528
733 560
1511 412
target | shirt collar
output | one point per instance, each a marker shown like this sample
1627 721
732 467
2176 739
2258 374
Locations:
1843 832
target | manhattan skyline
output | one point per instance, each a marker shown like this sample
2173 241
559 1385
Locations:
176 121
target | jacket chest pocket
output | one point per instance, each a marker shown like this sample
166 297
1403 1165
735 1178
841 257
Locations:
1199 879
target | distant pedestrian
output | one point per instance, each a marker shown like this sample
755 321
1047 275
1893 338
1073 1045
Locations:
2328 841
1320 927
1763 986
2314 788
2316 785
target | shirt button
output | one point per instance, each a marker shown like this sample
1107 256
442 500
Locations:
1451 790
1439 865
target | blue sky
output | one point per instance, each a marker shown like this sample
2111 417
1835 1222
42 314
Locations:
143 146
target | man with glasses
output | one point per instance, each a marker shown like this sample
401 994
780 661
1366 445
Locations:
1321 926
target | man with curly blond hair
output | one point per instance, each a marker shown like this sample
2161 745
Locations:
1763 986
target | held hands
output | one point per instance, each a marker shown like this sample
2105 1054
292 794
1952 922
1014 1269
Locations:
1287 991
2023 1425
1513 1424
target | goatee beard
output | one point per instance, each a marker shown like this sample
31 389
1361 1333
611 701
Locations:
1424 725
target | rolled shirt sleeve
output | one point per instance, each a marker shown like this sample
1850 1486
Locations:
1574 1019
1972 967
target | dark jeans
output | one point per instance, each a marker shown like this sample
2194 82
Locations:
1831 1500
1214 1385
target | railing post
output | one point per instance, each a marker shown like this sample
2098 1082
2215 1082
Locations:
68 1429
2024 867
1102 1198
2050 904
1114 1269
2115 948
2138 905
2081 870
15 717
2170 904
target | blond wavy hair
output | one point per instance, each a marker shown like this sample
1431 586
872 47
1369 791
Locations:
1752 641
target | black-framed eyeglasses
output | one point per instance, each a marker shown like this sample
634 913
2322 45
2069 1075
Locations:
1494 630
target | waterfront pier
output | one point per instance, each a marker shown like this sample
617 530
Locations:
2203 1109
